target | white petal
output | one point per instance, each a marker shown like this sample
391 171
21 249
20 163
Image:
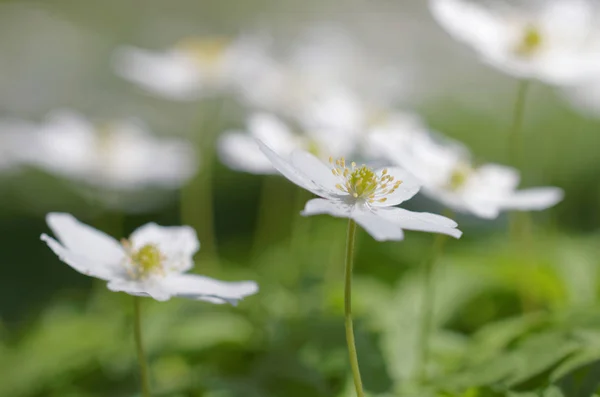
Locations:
315 169
534 199
420 221
82 263
273 132
497 178
407 189
378 227
153 288
475 24
177 243
88 250
197 287
292 173
170 74
239 151
323 206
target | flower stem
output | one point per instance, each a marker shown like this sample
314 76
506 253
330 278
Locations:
428 306
520 223
137 334
348 308
197 209
516 136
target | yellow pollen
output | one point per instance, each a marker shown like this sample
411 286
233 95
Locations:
146 261
207 52
362 182
459 176
530 42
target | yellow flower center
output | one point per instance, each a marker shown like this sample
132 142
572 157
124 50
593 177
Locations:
145 262
530 42
362 183
459 176
206 52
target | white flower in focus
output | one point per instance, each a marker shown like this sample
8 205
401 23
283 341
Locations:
555 41
367 196
121 156
445 170
239 150
152 262
193 68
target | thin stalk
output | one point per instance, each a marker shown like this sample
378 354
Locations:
516 136
137 334
301 225
428 307
197 209
268 214
348 308
520 226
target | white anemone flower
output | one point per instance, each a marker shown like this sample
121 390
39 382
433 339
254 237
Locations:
447 174
15 137
192 69
121 155
360 193
239 150
152 262
554 41
585 97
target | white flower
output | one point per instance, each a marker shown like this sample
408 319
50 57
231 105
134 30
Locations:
555 41
239 150
121 156
194 68
361 194
15 137
445 170
585 97
152 262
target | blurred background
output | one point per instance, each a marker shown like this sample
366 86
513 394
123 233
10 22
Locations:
506 322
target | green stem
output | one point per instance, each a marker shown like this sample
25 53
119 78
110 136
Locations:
137 334
520 223
197 209
348 308
516 136
428 307
268 214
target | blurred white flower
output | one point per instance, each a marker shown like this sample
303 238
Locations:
239 150
324 65
585 97
122 155
15 137
360 193
354 118
193 68
554 41
445 170
152 262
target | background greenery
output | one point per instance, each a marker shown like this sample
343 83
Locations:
508 321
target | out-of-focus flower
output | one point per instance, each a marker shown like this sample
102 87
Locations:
15 137
447 174
354 118
585 97
324 65
554 41
121 156
367 196
152 262
239 150
193 68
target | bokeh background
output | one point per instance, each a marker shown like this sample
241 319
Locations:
506 321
